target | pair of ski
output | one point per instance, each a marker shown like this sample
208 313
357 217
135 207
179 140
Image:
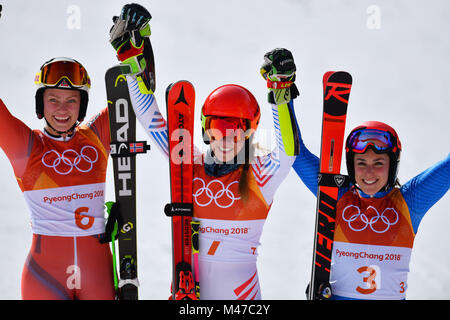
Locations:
180 109
336 87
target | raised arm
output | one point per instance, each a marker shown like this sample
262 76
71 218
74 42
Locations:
130 38
307 166
425 189
270 170
16 140
148 114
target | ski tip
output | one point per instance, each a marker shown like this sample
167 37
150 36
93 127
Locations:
339 76
183 90
326 76
113 72
182 82
179 82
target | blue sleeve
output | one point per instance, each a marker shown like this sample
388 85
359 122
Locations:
424 190
306 165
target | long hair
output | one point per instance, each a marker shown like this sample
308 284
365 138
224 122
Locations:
243 182
250 149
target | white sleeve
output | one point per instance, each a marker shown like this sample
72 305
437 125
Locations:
270 170
148 114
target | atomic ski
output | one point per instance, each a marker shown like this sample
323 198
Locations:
337 86
180 100
122 122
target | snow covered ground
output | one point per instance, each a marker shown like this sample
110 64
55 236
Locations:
397 51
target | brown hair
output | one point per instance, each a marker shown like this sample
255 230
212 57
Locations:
249 150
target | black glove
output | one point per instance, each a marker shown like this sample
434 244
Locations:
113 224
132 23
135 15
279 70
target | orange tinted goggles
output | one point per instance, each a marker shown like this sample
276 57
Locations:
52 73
216 128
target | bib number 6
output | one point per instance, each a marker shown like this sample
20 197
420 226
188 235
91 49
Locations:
83 221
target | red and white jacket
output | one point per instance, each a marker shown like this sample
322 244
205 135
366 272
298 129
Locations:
63 181
230 229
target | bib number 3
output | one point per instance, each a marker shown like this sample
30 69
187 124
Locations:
371 279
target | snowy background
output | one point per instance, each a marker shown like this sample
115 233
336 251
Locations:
397 51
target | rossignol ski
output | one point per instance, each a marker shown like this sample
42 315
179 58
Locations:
124 148
337 86
180 100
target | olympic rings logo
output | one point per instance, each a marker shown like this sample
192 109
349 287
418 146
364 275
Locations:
387 220
62 163
223 198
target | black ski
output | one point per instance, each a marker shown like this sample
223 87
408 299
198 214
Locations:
124 148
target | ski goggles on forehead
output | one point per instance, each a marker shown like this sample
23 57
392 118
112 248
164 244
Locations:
217 127
379 140
54 73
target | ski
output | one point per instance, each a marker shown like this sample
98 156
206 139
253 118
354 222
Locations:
180 101
124 148
337 86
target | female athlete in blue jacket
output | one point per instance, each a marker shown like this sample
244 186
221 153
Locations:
376 218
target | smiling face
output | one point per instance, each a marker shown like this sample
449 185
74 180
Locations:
371 171
226 149
61 109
